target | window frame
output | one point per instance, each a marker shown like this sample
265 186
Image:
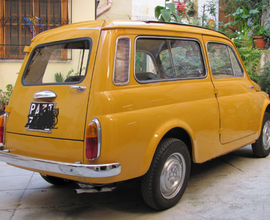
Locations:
52 44
170 79
236 56
11 51
129 61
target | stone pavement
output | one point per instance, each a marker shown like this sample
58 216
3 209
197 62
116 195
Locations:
234 186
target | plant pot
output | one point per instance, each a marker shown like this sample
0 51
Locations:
259 42
191 13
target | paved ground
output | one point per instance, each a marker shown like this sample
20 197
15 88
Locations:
234 186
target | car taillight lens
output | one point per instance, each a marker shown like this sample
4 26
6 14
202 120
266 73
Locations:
93 140
2 123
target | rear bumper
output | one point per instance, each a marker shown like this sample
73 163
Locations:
71 169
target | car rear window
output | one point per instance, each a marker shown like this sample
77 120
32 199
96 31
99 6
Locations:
63 62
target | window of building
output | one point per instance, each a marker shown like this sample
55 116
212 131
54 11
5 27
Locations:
22 19
223 61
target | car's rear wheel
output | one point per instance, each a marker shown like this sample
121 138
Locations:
261 148
166 180
55 180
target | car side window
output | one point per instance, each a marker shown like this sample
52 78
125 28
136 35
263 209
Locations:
122 61
165 59
223 61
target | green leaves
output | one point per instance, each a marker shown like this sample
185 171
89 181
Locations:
158 11
5 96
171 6
167 13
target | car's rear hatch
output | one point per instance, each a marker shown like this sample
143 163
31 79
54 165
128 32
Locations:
47 110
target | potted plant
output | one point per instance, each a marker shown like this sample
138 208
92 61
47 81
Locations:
260 36
191 8
4 98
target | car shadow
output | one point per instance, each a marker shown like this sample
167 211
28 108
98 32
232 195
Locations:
127 196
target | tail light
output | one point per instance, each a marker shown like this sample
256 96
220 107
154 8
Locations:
93 140
2 128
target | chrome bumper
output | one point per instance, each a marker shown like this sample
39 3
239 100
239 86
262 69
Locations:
71 169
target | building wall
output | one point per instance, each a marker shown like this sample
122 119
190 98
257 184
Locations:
145 10
120 10
82 10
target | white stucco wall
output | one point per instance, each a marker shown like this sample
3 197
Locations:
201 3
145 10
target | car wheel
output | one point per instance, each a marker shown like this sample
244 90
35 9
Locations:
166 180
261 148
55 180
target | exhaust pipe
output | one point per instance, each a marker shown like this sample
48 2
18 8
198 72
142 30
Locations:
94 188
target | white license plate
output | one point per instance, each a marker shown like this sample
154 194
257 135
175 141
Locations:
43 116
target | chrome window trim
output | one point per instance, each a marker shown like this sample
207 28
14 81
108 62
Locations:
172 79
63 168
129 61
236 56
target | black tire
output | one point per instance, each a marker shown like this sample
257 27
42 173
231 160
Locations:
55 180
261 148
171 160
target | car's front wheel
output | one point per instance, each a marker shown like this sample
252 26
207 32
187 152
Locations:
166 180
261 148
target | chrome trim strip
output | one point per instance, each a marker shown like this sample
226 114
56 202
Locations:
79 88
70 169
44 94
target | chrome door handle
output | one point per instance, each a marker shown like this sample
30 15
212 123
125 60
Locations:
79 88
252 87
44 94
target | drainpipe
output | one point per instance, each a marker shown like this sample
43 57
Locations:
106 8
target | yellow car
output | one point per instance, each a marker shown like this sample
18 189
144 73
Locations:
102 102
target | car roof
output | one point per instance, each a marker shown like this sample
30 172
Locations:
167 26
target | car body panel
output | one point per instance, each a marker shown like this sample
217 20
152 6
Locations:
217 115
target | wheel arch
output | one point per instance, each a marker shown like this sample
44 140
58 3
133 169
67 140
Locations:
266 108
170 130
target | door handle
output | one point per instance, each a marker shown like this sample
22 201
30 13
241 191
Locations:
252 87
44 94
79 88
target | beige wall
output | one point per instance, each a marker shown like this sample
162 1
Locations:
82 10
120 10
9 72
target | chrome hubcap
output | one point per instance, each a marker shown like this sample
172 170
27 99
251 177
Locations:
172 176
266 135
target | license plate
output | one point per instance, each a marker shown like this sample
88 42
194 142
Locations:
42 117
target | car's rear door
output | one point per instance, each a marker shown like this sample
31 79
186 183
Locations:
47 111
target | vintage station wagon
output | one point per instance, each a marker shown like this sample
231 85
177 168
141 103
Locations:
102 102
